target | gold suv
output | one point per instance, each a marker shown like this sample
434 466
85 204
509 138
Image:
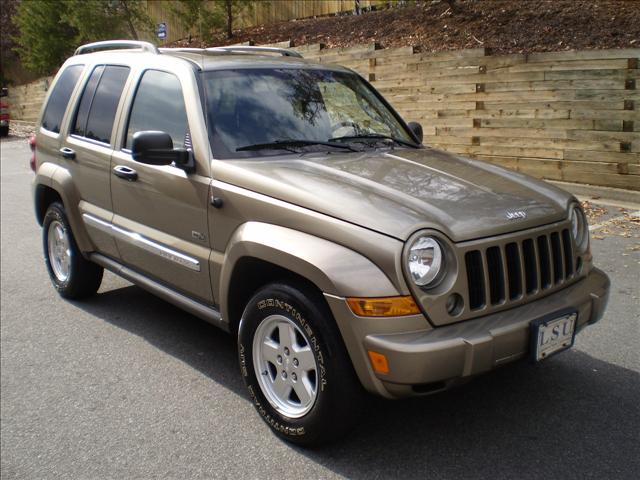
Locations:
287 203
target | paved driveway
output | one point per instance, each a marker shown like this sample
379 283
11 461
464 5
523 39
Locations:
127 386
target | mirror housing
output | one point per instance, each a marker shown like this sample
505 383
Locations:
416 129
156 148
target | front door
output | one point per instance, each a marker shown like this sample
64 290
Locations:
160 212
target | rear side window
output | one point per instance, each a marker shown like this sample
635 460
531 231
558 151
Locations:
80 123
59 99
101 103
159 105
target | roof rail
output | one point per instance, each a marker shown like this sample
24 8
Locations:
145 46
282 51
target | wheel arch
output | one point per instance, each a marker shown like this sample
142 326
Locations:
260 253
54 183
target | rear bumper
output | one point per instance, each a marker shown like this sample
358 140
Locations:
423 361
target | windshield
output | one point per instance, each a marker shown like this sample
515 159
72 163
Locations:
252 111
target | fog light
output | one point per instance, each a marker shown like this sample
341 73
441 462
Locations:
454 304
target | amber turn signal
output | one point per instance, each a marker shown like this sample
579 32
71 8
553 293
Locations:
379 362
383 306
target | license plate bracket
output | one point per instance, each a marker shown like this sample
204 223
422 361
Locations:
553 334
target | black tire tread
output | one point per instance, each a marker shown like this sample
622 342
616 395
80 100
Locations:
86 277
341 405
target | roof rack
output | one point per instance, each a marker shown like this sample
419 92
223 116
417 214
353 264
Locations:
231 49
145 46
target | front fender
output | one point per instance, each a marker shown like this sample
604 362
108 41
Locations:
333 268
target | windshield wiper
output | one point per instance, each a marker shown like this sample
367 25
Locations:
373 136
289 144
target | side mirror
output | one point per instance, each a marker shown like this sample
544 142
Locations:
416 129
156 148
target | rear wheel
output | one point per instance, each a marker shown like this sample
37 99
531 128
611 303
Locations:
296 367
71 274
4 131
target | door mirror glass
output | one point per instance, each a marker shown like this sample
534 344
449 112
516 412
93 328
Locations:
156 148
416 129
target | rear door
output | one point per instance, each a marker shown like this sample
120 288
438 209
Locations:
54 114
88 147
160 219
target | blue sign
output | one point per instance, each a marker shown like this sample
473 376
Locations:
162 30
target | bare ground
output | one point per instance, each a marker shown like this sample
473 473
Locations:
504 26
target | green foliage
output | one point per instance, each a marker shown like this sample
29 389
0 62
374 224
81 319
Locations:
204 17
107 19
201 17
50 30
45 40
233 9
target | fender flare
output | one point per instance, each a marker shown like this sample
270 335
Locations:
333 268
59 179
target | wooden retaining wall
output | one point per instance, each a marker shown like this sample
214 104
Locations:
25 100
571 116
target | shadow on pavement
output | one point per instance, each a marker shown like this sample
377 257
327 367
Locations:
573 416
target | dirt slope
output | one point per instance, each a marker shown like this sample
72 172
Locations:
505 26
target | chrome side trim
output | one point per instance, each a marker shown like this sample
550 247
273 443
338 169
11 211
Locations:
143 242
205 312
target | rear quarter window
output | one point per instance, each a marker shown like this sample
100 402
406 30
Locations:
59 98
104 104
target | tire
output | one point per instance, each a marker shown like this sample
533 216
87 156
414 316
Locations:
4 131
72 275
314 337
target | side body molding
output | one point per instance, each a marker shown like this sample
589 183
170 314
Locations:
333 268
59 179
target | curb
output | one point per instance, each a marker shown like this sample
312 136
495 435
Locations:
597 192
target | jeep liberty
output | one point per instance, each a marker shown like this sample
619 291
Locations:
287 203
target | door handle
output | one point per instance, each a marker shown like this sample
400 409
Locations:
125 172
68 153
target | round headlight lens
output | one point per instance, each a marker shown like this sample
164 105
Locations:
579 228
425 260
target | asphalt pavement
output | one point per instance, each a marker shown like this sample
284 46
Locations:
125 385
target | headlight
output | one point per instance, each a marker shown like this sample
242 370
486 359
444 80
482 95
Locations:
425 261
579 228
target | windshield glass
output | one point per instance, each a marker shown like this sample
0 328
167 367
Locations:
251 107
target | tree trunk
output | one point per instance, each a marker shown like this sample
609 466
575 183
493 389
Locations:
127 13
229 19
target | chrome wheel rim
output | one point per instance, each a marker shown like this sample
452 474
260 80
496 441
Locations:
59 250
285 366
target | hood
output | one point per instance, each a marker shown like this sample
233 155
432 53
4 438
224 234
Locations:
397 192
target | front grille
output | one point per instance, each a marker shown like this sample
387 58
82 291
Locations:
512 271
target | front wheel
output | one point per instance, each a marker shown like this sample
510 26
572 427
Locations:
296 367
72 275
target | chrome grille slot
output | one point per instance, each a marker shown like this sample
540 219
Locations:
568 252
556 254
475 279
513 270
496 276
544 261
530 266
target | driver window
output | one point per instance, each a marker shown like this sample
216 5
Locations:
159 105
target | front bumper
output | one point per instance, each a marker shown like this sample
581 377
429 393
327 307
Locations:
426 360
